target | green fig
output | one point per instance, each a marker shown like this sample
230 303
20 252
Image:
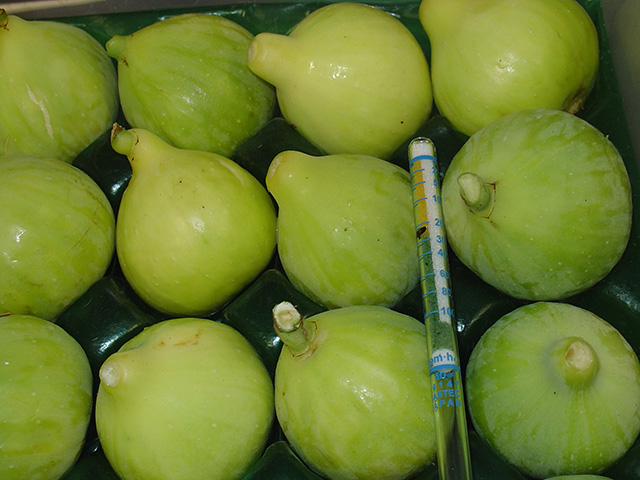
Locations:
352 392
186 79
194 228
185 399
59 90
538 204
493 57
46 399
560 380
57 235
351 77
345 227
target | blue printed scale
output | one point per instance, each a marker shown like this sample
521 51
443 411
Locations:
444 367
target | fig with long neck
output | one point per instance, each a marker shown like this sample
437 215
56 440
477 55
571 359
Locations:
493 57
193 228
350 77
345 227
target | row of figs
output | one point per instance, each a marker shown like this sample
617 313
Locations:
537 204
219 85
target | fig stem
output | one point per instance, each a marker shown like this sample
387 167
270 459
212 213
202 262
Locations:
115 47
291 327
475 192
269 55
110 374
578 361
122 140
4 18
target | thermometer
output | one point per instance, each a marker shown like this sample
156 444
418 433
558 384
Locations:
444 364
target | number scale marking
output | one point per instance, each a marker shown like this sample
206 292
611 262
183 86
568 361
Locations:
444 368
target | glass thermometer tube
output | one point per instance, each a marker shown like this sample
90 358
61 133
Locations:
454 461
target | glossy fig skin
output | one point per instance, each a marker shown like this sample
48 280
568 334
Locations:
562 381
194 228
345 227
557 216
58 86
46 398
185 399
350 77
57 235
493 57
356 404
186 79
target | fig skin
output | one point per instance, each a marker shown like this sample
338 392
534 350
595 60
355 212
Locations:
46 398
557 215
185 399
194 228
58 85
353 392
186 79
350 77
57 235
563 382
346 233
493 57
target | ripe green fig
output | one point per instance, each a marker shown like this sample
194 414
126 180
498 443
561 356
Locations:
493 57
186 79
56 234
538 204
194 228
353 395
58 88
185 399
345 227
350 77
46 399
560 380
